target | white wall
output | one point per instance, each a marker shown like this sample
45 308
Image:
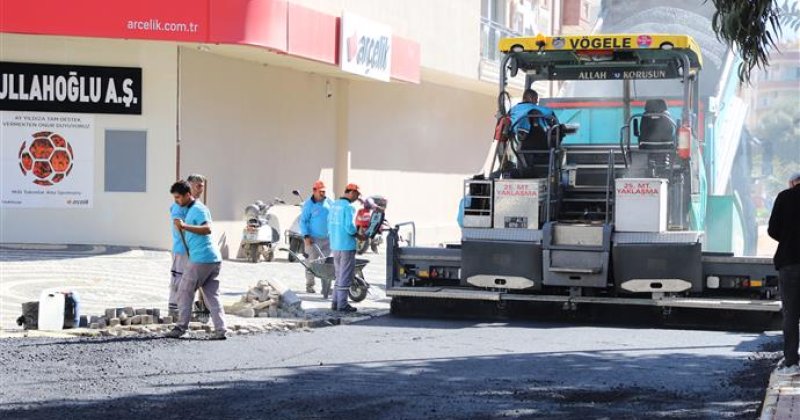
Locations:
137 219
415 144
255 131
260 131
448 31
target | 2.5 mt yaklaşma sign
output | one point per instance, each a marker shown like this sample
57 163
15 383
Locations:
67 88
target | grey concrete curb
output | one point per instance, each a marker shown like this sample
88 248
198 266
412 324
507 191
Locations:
771 397
788 386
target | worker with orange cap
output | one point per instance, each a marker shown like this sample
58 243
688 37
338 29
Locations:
342 230
314 228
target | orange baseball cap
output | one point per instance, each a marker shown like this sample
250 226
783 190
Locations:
319 186
351 187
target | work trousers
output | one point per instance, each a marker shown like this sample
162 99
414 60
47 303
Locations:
320 248
790 296
204 277
178 264
344 263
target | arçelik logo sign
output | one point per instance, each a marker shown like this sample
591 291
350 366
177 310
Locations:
48 158
368 51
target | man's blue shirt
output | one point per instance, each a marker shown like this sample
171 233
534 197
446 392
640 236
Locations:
520 111
314 217
201 248
177 212
341 226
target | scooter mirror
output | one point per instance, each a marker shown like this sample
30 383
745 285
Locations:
295 192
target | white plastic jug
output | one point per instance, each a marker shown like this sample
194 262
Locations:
51 310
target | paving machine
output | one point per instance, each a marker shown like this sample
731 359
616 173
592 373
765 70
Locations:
609 211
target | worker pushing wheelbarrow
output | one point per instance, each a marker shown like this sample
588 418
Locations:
323 269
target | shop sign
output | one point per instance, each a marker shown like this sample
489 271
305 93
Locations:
47 160
67 88
366 47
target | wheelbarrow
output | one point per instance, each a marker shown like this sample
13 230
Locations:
323 269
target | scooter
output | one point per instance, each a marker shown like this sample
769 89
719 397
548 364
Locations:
292 235
261 232
370 222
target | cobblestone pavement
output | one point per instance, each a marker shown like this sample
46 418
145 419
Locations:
109 276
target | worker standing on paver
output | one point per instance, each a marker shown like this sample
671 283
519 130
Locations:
204 263
314 228
342 231
784 227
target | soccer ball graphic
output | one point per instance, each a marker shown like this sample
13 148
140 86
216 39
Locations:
49 158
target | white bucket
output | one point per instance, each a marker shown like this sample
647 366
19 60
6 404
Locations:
51 310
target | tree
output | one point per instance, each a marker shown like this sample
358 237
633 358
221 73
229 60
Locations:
753 27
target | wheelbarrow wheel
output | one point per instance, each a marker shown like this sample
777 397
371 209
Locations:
358 290
326 288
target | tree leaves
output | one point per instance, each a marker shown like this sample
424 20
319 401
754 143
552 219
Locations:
753 28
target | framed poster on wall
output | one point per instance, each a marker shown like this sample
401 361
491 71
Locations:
46 160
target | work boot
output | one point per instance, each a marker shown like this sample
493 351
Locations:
219 335
347 308
788 370
310 289
176 332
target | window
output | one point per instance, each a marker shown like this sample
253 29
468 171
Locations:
126 161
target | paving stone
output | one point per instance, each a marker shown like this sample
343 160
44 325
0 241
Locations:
166 320
94 325
141 311
129 311
136 319
147 319
113 322
111 313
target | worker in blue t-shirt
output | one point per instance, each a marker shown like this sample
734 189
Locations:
520 111
204 263
342 231
314 228
179 259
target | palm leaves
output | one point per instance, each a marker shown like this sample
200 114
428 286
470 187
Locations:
753 27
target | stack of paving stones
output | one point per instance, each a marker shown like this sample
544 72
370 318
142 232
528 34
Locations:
115 317
265 300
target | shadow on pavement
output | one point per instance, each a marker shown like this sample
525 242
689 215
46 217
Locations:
672 383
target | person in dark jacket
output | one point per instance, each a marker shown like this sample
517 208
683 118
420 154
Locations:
784 227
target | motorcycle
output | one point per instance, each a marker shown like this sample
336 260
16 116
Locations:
370 222
261 232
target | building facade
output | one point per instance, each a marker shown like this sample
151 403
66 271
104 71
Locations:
261 96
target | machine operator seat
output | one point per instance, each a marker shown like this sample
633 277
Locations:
534 147
657 129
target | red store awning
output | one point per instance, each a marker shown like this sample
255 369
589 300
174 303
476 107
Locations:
275 25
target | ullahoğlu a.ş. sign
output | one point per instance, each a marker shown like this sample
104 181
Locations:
67 88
